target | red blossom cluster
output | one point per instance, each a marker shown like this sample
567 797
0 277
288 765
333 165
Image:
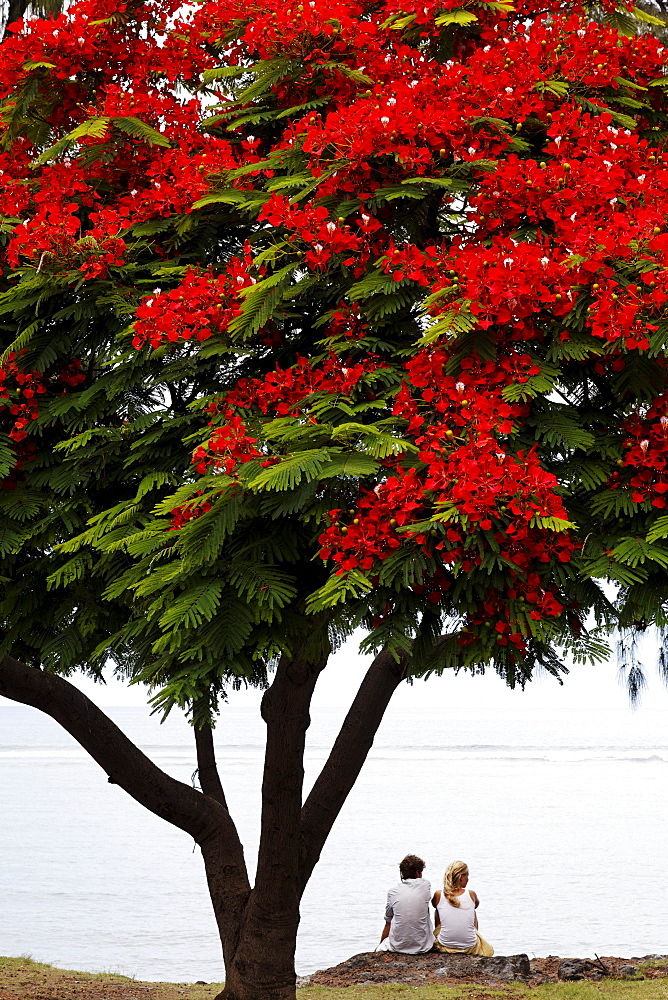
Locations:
646 453
474 397
314 227
467 482
77 217
346 322
20 393
474 486
20 389
282 391
227 447
188 512
203 304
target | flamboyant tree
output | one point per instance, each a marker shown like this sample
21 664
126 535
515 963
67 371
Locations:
319 317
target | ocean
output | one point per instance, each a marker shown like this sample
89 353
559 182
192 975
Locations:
561 814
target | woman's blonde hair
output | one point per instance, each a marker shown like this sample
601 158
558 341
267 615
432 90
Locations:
453 873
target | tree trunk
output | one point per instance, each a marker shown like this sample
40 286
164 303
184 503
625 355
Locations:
15 10
201 815
258 927
263 965
293 836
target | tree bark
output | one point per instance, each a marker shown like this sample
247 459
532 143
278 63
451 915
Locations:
263 967
200 815
228 907
258 927
15 10
207 769
345 761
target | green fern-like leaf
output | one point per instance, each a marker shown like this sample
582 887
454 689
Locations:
191 608
289 472
636 551
348 465
658 530
140 130
338 589
260 301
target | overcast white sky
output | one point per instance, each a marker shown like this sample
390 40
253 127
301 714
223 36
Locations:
586 687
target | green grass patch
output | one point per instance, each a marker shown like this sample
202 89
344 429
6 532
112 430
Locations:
24 979
606 989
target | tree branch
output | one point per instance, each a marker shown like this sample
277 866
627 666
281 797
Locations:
271 914
345 761
209 777
126 765
203 816
285 709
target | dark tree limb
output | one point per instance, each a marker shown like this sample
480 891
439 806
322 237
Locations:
125 764
286 712
346 759
207 769
263 963
203 816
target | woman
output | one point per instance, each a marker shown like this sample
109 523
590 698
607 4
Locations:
456 921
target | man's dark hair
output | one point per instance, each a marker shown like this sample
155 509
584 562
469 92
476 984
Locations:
411 866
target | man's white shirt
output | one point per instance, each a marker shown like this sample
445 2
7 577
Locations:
411 929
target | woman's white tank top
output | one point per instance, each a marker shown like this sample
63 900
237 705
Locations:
457 922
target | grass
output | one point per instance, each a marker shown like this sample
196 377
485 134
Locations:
24 979
611 989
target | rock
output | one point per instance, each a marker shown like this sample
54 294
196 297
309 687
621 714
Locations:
499 967
303 981
356 962
436 967
573 968
201 982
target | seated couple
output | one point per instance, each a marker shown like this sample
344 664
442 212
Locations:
408 926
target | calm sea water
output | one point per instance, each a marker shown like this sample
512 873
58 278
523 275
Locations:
562 817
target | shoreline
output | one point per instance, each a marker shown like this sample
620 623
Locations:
376 976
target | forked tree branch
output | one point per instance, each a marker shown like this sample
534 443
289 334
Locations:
285 709
201 816
271 913
350 750
209 778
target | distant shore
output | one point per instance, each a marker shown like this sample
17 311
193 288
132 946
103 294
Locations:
381 976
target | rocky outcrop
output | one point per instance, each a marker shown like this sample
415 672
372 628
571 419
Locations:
573 969
388 967
419 970
505 967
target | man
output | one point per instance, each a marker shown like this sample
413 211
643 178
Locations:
408 926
